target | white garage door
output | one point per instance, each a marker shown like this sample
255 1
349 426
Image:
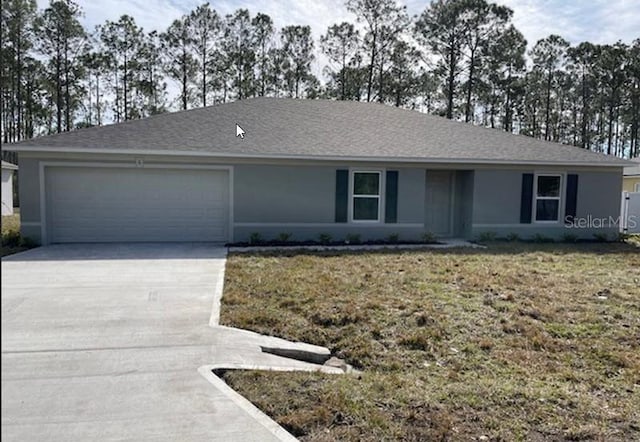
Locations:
100 204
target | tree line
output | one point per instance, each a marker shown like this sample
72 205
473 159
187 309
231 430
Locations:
462 59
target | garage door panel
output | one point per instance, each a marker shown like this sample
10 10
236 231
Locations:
132 204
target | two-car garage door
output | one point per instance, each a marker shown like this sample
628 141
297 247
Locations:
113 204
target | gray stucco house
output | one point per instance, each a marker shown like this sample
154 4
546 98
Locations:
307 167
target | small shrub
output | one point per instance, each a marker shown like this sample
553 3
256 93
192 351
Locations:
352 238
540 238
28 243
255 238
393 238
569 237
428 237
601 237
513 237
324 238
487 236
284 237
11 239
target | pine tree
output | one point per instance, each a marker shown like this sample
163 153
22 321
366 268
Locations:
297 46
341 45
205 29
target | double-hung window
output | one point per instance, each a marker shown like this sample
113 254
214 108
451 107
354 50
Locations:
365 196
548 189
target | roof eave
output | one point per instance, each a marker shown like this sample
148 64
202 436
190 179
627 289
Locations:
224 155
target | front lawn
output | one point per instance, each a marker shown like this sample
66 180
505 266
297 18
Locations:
516 342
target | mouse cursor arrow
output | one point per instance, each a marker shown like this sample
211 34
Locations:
239 132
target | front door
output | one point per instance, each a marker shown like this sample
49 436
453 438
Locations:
438 202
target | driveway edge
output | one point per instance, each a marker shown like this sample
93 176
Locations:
272 426
214 319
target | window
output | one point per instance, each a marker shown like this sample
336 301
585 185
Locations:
547 197
637 187
366 196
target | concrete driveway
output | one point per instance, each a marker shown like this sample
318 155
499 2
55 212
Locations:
106 342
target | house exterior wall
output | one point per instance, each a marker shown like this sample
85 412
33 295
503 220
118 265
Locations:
7 192
283 194
497 200
463 203
496 197
631 183
29 192
298 198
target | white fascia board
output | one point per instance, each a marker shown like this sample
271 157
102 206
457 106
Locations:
225 155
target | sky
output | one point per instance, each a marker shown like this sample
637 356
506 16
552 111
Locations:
597 21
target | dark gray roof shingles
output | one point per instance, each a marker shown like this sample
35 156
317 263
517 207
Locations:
318 128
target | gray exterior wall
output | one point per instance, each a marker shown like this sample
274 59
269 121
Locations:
300 200
497 197
411 190
284 194
273 197
463 203
29 193
599 194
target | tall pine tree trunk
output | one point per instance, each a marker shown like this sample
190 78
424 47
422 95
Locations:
371 65
67 95
342 75
584 143
451 79
19 88
59 100
381 78
184 79
467 111
610 129
547 108
124 88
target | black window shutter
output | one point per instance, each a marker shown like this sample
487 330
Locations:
571 205
342 195
527 198
391 197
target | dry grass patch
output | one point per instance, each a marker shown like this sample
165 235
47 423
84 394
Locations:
524 342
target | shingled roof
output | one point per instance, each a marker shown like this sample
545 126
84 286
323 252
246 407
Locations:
316 129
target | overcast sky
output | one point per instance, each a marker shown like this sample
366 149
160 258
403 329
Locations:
597 21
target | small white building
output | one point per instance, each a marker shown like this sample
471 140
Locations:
7 187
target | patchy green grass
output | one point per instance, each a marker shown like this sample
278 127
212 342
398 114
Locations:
517 342
12 241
